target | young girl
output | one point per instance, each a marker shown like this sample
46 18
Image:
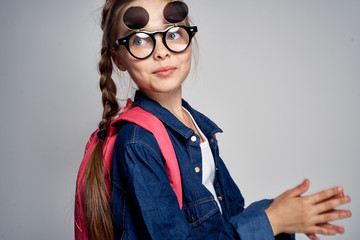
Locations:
151 40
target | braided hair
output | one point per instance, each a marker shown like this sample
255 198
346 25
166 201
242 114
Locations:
97 209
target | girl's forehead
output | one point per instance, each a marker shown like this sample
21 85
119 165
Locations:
146 3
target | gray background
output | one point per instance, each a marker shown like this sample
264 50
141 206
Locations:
281 78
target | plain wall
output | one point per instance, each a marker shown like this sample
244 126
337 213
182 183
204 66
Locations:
281 78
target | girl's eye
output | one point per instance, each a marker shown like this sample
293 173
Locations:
140 39
174 35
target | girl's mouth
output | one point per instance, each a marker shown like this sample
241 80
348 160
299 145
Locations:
164 72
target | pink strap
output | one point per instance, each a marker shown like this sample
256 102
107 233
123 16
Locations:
157 128
152 124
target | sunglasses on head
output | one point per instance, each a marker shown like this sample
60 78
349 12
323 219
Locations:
137 17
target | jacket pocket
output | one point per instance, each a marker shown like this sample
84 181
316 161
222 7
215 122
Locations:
199 211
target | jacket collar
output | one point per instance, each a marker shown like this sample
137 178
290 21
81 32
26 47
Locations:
208 127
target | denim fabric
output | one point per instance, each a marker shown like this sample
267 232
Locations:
145 206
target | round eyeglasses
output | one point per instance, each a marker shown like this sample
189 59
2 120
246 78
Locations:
141 44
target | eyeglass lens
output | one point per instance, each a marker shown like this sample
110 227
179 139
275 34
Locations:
141 44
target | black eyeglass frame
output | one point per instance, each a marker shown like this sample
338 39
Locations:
191 30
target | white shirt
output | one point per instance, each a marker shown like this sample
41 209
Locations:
208 164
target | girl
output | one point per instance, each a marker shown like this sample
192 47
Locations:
151 40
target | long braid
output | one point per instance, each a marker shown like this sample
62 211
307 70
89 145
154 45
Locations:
96 199
97 209
108 89
107 84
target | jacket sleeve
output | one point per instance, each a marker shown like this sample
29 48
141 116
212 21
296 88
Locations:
251 222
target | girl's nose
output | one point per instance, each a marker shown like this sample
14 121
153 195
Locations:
160 51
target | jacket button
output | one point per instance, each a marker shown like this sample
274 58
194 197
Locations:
212 140
197 169
193 138
190 219
220 198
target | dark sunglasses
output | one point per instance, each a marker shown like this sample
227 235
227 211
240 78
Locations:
141 44
137 17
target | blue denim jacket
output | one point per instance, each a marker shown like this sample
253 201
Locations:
145 206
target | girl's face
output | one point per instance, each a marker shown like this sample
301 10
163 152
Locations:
162 72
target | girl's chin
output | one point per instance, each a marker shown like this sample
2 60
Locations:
162 90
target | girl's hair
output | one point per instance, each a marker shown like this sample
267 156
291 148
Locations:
97 209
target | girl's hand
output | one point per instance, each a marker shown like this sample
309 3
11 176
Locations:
292 213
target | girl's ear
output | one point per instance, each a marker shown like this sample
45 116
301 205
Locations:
117 60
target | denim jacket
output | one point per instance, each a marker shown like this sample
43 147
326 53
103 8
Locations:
145 206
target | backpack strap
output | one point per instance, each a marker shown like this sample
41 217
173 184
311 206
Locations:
152 124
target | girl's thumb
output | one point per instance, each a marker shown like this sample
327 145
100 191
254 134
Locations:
301 188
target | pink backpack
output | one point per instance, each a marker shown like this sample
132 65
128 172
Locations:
145 120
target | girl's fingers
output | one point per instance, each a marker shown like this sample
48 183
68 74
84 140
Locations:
331 216
325 229
312 237
336 196
331 204
322 230
339 195
324 195
300 189
338 229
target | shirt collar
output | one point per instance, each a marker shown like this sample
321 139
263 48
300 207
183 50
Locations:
208 127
